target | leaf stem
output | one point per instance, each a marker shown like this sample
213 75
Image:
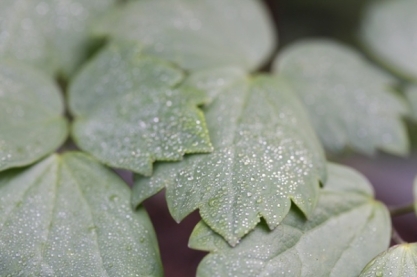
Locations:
397 211
396 237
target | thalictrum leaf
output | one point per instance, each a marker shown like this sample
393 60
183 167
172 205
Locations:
347 229
50 34
197 34
130 109
70 216
266 155
350 102
31 115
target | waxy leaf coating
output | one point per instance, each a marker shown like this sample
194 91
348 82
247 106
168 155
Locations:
31 115
398 261
131 110
349 100
389 32
265 156
347 229
198 34
70 216
50 34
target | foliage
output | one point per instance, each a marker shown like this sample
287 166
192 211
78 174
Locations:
175 94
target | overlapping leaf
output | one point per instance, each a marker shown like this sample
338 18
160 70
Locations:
266 155
349 101
411 93
347 229
131 109
51 34
389 32
196 34
398 261
70 216
31 115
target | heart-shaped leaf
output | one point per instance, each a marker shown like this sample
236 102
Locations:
389 32
266 155
347 229
350 102
31 115
398 261
197 34
70 216
50 34
131 110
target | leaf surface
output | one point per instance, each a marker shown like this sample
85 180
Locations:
411 93
31 115
347 229
398 261
389 32
196 34
349 101
70 216
266 155
50 34
130 110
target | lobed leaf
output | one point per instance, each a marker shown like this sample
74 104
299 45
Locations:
389 32
196 34
131 109
347 229
70 216
398 261
51 34
265 155
411 94
31 115
350 102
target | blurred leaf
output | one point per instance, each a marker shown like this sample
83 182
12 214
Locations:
389 32
398 261
345 231
411 93
31 115
131 110
70 216
349 101
266 155
196 34
50 34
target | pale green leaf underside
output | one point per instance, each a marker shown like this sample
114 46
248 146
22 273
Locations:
398 261
50 34
411 93
197 34
31 115
265 156
349 100
70 216
131 110
347 229
389 32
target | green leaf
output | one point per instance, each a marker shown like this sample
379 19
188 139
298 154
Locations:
50 34
411 93
350 102
389 32
31 115
70 216
347 229
265 156
197 34
398 261
130 110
